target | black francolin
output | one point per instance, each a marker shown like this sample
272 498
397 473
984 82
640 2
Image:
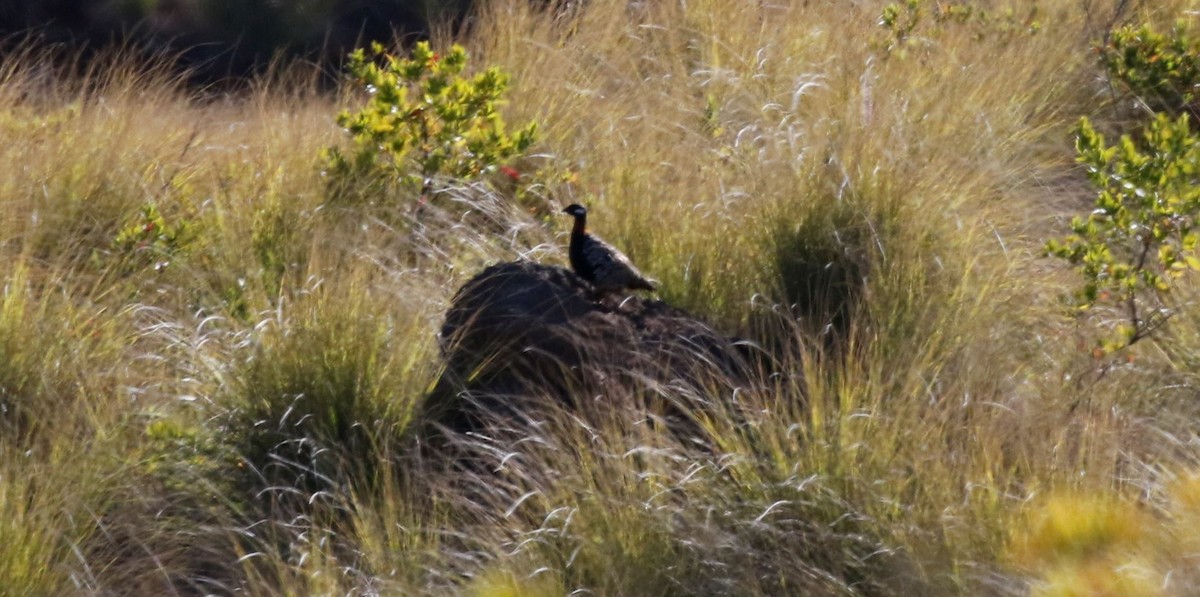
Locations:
601 264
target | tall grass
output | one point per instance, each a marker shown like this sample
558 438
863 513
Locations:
233 407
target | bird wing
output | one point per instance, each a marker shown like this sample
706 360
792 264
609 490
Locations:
610 267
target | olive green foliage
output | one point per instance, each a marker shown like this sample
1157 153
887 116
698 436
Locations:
1142 234
912 23
1160 68
1139 241
149 239
425 120
901 19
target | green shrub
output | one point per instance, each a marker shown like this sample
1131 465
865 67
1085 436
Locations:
1161 69
148 239
1142 235
907 23
425 121
900 20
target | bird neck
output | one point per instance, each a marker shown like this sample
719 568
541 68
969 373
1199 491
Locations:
580 225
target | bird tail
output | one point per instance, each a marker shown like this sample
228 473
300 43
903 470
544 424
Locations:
644 284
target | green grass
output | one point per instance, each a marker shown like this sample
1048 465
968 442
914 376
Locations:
233 407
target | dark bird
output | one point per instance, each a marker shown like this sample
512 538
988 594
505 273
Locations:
600 263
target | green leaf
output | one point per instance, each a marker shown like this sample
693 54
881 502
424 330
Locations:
423 120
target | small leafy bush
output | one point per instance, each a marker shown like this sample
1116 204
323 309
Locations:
148 239
911 22
900 19
1161 69
1142 235
425 121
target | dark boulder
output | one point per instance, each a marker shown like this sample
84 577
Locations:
521 329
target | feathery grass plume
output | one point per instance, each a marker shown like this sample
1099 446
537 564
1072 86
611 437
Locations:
605 495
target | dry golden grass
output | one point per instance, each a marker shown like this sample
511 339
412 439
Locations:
232 410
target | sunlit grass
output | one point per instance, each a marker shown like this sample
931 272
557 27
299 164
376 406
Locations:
235 409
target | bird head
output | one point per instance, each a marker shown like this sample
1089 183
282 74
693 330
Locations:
576 210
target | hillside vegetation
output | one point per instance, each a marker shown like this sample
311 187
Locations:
218 315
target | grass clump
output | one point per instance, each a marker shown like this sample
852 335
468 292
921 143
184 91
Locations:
326 390
1094 544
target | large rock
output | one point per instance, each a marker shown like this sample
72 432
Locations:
523 329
